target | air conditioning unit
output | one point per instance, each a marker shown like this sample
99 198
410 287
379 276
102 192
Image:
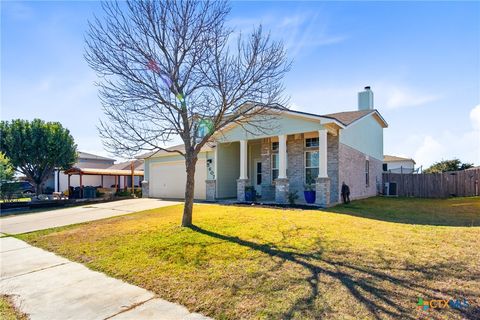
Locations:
390 189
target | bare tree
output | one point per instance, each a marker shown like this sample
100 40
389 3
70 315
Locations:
171 68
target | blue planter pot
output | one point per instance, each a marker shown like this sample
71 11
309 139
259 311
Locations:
250 196
309 196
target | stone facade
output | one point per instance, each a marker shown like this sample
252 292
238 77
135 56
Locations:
322 191
241 184
211 190
333 166
281 190
352 165
268 189
145 189
296 163
296 166
343 164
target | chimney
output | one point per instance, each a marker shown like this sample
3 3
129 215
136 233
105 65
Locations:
365 99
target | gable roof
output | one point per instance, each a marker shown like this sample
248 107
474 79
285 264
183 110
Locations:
179 147
388 158
341 119
349 117
91 156
138 165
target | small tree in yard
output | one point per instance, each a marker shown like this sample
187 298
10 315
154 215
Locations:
7 171
448 165
37 148
169 69
7 174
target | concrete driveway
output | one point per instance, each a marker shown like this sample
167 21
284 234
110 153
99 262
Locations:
62 217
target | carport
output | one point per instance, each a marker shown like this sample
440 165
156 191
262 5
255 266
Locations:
104 172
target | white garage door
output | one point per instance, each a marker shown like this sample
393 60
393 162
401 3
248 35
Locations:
168 179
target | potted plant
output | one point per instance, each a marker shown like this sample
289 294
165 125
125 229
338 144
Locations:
250 194
309 193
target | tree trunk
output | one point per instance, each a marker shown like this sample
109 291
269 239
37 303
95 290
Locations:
189 191
38 188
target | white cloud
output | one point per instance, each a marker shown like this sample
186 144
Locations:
447 144
400 96
475 117
333 99
299 31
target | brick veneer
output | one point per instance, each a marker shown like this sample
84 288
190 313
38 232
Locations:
352 171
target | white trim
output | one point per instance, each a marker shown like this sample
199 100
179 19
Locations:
282 153
305 142
374 112
243 159
215 167
322 158
305 164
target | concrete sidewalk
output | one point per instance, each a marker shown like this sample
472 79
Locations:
46 286
61 217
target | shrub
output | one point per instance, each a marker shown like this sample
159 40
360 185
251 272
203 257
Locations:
292 197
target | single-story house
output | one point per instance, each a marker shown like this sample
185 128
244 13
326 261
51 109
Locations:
299 149
396 164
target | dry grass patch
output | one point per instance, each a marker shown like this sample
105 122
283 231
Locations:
8 310
260 263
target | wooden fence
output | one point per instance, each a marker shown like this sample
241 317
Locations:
464 183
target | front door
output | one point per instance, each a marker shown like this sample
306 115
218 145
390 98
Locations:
258 177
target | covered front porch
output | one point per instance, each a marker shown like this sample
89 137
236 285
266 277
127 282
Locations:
276 166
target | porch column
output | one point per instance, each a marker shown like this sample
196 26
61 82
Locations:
322 154
81 186
212 183
243 159
55 180
242 181
282 156
322 185
281 183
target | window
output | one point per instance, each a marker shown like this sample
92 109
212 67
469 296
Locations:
259 173
367 173
385 167
275 166
311 166
311 142
275 146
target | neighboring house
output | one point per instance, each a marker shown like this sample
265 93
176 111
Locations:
300 148
127 180
396 164
59 181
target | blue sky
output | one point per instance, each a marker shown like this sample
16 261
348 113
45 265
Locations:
422 61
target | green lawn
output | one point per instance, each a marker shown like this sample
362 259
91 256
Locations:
437 212
371 261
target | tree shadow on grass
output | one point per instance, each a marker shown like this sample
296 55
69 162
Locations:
362 282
